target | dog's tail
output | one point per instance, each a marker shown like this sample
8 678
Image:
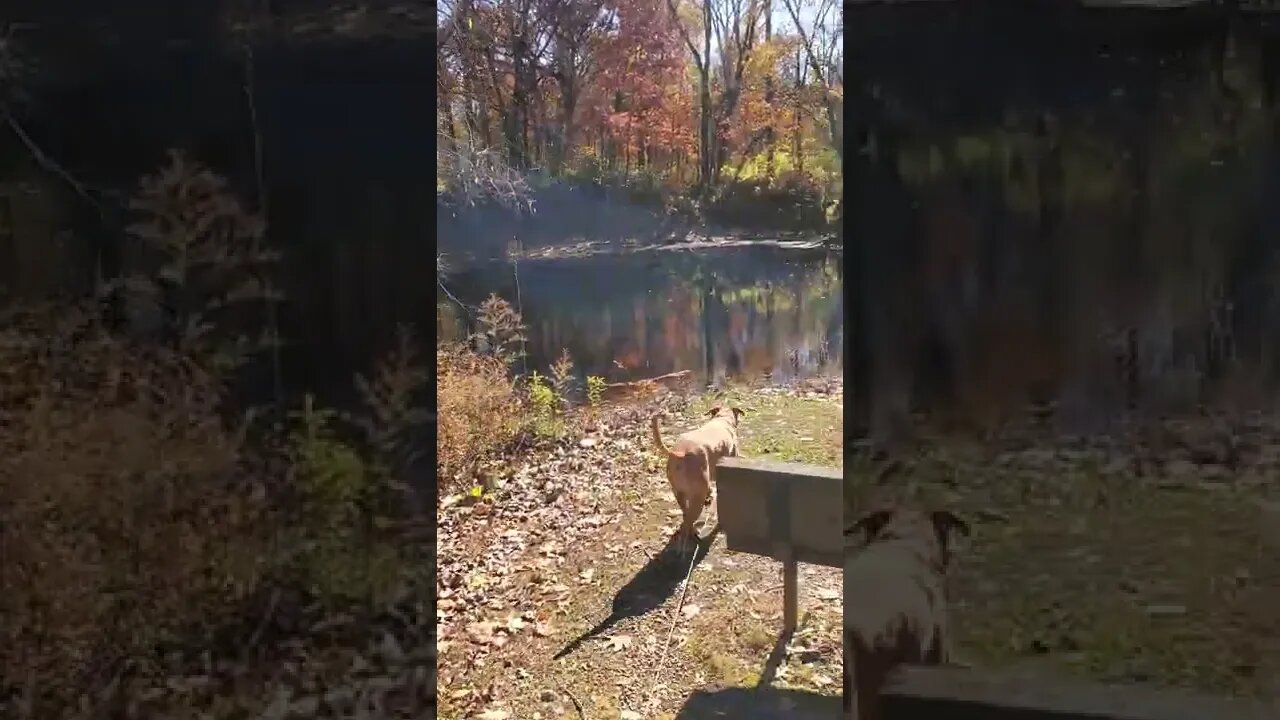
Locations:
657 438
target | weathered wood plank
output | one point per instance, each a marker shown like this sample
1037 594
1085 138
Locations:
960 694
781 510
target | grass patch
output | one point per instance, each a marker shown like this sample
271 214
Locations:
1100 574
781 426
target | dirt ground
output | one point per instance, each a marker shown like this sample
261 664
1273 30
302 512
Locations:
558 589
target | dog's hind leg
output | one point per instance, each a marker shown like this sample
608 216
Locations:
708 472
689 527
686 531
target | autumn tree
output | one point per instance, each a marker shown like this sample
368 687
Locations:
577 30
641 100
670 92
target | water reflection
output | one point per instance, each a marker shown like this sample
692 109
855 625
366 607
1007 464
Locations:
1076 209
746 312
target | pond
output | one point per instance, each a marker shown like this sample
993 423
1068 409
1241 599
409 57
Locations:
746 311
1071 209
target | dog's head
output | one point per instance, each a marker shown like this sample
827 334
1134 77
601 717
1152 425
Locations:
728 412
935 528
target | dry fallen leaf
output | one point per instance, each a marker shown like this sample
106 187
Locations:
509 566
483 632
618 642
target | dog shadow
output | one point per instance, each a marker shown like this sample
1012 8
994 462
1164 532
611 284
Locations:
759 703
650 587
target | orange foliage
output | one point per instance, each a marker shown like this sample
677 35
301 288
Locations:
644 96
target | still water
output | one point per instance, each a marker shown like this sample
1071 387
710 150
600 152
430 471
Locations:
750 312
1075 205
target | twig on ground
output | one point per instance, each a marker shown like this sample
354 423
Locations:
675 616
262 623
582 715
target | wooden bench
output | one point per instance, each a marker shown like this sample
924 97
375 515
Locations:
961 694
791 512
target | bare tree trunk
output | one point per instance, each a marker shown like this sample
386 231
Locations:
768 97
568 105
797 145
518 115
835 121
451 123
706 125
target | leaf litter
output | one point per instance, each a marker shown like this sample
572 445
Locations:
527 569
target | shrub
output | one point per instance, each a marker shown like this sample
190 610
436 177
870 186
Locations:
394 421
332 550
356 491
479 413
133 520
793 203
562 380
544 402
595 390
208 262
501 331
125 517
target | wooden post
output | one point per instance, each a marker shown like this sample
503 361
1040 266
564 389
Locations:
787 511
790 593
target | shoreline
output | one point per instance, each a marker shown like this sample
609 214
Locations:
691 241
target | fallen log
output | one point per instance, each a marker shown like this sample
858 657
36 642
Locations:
644 386
646 381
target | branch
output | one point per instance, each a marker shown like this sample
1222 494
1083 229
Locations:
47 162
684 34
480 173
756 137
806 41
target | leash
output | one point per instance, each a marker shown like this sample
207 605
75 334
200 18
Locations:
675 616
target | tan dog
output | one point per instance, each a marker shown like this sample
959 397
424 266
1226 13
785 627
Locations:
895 605
691 462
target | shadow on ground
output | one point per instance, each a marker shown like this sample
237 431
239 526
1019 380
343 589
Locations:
650 587
762 703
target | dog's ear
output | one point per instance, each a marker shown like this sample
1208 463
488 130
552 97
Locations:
715 410
944 522
871 523
738 412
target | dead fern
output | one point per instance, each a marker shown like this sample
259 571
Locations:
479 412
501 332
562 379
395 418
208 259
